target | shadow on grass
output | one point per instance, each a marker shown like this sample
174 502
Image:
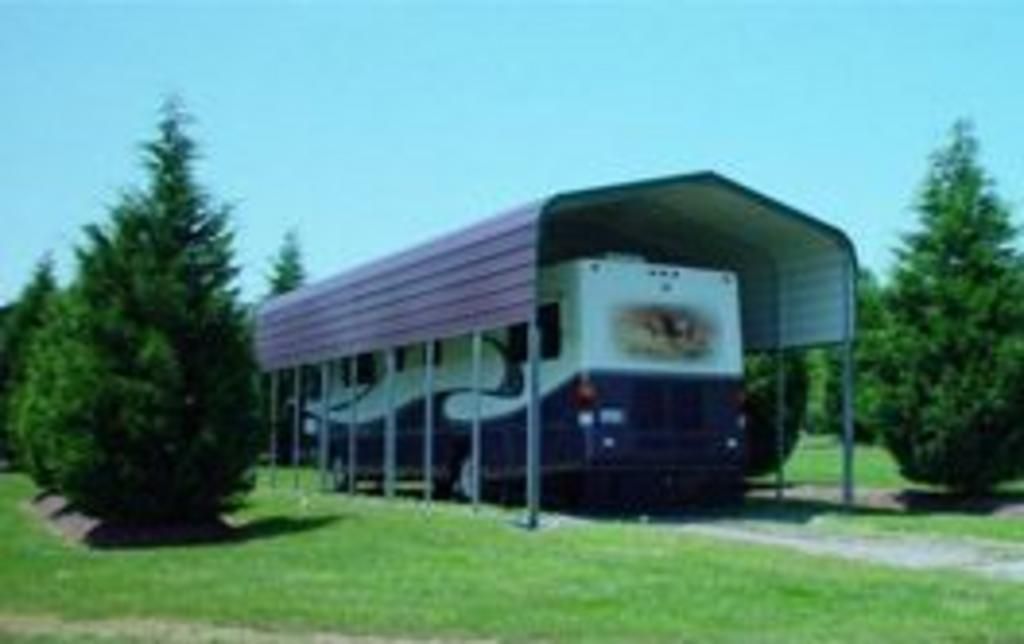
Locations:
790 511
787 510
283 526
114 534
935 502
119 535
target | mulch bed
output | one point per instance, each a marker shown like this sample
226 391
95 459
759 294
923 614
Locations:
96 533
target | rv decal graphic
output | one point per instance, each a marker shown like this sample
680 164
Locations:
453 404
663 332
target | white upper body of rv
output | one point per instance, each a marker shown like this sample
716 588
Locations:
627 315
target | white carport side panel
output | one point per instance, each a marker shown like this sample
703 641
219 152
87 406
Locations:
758 307
793 270
814 293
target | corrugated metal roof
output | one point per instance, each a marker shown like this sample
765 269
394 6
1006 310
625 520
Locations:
796 273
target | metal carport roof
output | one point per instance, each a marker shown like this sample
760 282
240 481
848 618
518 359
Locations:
796 273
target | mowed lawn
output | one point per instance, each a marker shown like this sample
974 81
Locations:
316 562
817 461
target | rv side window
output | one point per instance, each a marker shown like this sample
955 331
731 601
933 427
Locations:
366 369
549 324
517 347
548 319
400 359
438 353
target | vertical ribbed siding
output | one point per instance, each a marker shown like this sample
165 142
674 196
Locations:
480 277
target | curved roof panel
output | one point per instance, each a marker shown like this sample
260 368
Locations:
795 272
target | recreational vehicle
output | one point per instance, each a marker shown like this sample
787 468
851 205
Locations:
589 342
640 383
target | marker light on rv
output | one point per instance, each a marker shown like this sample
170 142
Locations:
586 394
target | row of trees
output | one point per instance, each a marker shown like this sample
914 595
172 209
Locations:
133 391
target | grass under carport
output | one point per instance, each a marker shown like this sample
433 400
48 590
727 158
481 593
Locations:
313 562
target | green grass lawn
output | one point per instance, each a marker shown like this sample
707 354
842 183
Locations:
318 562
818 461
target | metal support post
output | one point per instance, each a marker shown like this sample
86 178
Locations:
428 422
780 422
476 446
325 403
296 426
353 423
389 429
848 427
848 386
533 428
273 427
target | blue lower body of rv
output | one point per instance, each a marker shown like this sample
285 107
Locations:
648 442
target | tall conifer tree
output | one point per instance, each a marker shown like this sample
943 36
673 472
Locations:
287 272
952 402
159 423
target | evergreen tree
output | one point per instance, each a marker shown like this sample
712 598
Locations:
952 404
56 392
20 324
287 272
157 420
761 386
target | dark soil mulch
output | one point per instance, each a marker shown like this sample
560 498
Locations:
96 533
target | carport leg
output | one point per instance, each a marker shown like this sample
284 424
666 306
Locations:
389 429
848 427
780 422
325 403
352 423
296 422
533 429
477 351
428 422
273 427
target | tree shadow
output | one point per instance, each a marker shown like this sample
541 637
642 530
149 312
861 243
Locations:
283 526
119 534
123 535
939 502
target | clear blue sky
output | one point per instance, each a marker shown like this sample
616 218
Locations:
372 126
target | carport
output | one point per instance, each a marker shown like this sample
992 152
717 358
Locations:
796 273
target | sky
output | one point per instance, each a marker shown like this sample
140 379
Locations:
371 126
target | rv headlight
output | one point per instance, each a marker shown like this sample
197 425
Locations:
732 443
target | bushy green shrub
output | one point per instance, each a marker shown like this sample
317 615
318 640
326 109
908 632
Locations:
56 393
17 326
760 407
